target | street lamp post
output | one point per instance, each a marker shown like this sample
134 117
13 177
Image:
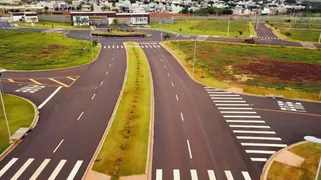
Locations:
319 38
316 141
4 109
228 27
194 57
91 40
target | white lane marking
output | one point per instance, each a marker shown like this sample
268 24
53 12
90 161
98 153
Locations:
232 104
249 126
108 47
104 47
52 95
106 72
93 97
164 66
259 159
244 121
150 46
264 144
168 74
113 46
172 84
121 46
234 108
161 60
226 98
109 65
220 92
176 174
57 169
117 46
246 175
112 58
238 112
58 146
146 46
254 132
236 116
259 138
182 117
228 101
80 116
74 170
228 175
224 95
22 169
154 46
211 175
40 169
259 152
113 54
159 174
7 166
176 97
101 83
142 47
194 174
189 150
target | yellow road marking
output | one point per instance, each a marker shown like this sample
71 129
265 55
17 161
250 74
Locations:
58 82
71 78
10 80
307 114
34 81
73 81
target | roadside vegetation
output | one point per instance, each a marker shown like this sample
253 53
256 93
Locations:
258 69
310 152
50 24
238 28
37 51
20 113
120 33
124 151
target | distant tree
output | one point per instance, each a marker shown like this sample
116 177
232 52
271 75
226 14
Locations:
69 8
105 8
288 20
184 10
166 36
92 7
46 8
202 66
211 3
290 1
115 21
133 1
287 34
240 32
56 9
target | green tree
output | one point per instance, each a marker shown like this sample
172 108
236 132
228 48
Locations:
115 21
287 34
166 36
95 43
46 8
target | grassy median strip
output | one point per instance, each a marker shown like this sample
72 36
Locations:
124 151
20 113
38 51
50 24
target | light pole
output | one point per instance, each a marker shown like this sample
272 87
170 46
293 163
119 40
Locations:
319 38
194 57
4 109
228 27
257 23
316 141
91 40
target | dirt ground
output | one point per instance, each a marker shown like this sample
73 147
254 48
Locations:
286 71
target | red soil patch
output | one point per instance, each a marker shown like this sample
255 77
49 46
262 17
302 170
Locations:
287 71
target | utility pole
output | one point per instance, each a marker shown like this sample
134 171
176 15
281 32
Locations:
319 38
228 27
257 23
4 110
194 57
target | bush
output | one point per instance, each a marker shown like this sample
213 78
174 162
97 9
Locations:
267 22
287 34
95 43
288 20
240 32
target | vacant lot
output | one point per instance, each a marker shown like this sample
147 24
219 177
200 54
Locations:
310 36
238 28
35 51
293 72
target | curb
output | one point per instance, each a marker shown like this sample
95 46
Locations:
270 161
91 163
203 84
33 124
59 69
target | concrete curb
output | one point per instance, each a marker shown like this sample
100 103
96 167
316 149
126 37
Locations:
203 84
270 161
59 69
91 163
32 125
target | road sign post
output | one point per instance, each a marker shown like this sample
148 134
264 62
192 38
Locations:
4 109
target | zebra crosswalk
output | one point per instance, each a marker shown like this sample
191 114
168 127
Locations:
194 175
149 45
266 38
39 169
257 138
114 47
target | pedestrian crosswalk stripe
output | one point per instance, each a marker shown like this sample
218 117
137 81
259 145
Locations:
121 47
245 121
259 138
238 112
40 169
74 170
159 174
7 166
146 46
232 104
246 175
263 144
234 108
158 46
150 46
108 47
259 159
259 152
254 132
237 116
194 174
176 174
229 175
249 126
227 101
57 170
117 46
113 46
224 95
22 169
142 47
226 98
211 174
219 92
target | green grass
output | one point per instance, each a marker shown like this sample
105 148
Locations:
208 27
224 67
310 152
36 51
50 24
302 35
285 25
20 113
124 151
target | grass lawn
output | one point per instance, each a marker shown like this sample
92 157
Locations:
258 69
310 152
119 33
285 25
20 113
302 35
208 27
49 24
36 51
124 151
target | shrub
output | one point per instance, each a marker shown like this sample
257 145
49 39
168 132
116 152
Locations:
95 43
287 34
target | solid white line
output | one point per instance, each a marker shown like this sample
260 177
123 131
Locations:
259 152
232 104
232 116
176 174
80 116
112 58
259 138
22 169
104 47
106 72
189 150
168 74
246 175
228 101
109 65
74 170
58 146
238 112
57 169
226 98
229 175
117 46
52 95
172 84
220 92
101 83
194 174
159 174
234 108
113 46
245 121
182 117
249 126
176 97
93 97
121 46
254 132
5 168
264 144
224 95
259 159
40 169
211 174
